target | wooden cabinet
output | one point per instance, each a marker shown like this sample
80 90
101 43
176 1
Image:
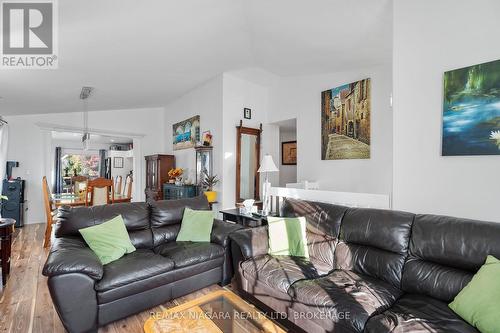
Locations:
157 167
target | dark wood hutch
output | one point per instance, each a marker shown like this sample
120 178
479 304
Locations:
157 168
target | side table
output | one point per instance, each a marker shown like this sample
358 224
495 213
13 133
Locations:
246 220
6 230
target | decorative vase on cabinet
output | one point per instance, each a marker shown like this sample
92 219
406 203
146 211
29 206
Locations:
157 167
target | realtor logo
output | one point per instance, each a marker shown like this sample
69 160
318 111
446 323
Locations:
28 34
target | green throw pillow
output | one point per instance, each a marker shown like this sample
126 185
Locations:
196 226
479 302
109 240
287 236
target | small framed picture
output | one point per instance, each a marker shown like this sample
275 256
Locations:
207 138
247 113
289 153
118 162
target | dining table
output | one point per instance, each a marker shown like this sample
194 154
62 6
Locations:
74 200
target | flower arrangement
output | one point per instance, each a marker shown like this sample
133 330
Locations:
176 172
495 135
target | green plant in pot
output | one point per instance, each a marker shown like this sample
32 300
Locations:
208 184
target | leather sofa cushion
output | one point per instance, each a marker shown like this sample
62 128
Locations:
418 313
374 242
136 266
166 217
445 252
323 225
344 299
189 253
156 281
72 255
280 272
135 215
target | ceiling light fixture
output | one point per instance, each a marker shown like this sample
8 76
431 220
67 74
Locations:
84 95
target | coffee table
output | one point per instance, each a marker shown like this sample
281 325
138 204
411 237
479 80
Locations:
219 311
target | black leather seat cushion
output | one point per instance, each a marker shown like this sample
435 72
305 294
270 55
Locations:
280 272
344 300
133 267
418 313
189 253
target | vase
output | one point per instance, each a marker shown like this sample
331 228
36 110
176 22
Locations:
178 181
211 196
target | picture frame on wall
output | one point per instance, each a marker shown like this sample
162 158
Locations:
247 113
289 153
118 162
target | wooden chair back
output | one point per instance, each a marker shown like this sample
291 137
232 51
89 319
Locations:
118 184
79 183
101 190
47 203
127 189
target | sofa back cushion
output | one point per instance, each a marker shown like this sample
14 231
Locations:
322 228
166 217
445 252
135 215
374 242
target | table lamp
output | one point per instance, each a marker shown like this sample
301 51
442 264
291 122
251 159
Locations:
267 165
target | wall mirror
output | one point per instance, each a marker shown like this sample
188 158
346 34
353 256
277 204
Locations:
247 162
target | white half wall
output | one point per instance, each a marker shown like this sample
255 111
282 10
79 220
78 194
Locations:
300 97
431 37
31 146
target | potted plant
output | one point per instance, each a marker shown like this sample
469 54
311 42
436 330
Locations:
208 184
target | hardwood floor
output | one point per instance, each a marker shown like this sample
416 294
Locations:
25 304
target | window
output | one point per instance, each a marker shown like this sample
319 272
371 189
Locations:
84 164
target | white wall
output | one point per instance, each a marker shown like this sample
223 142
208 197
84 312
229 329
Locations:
31 146
431 37
288 173
300 97
205 101
240 93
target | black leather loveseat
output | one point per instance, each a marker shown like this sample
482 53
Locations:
369 270
87 294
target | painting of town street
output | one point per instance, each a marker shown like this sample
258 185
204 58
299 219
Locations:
345 121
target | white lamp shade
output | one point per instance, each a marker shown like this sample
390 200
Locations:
267 165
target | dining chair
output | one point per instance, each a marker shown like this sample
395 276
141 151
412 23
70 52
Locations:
79 183
101 191
49 211
118 184
127 189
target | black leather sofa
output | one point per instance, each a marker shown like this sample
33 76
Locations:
87 294
369 270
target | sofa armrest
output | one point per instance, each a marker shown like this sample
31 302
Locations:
221 231
71 255
252 242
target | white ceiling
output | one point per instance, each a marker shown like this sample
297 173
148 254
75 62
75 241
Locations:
94 138
145 53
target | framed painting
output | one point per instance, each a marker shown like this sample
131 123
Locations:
289 153
186 133
345 121
471 110
118 162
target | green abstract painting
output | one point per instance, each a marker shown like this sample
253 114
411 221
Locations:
471 110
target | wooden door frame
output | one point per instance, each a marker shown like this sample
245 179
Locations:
250 131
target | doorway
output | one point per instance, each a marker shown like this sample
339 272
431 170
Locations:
288 151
